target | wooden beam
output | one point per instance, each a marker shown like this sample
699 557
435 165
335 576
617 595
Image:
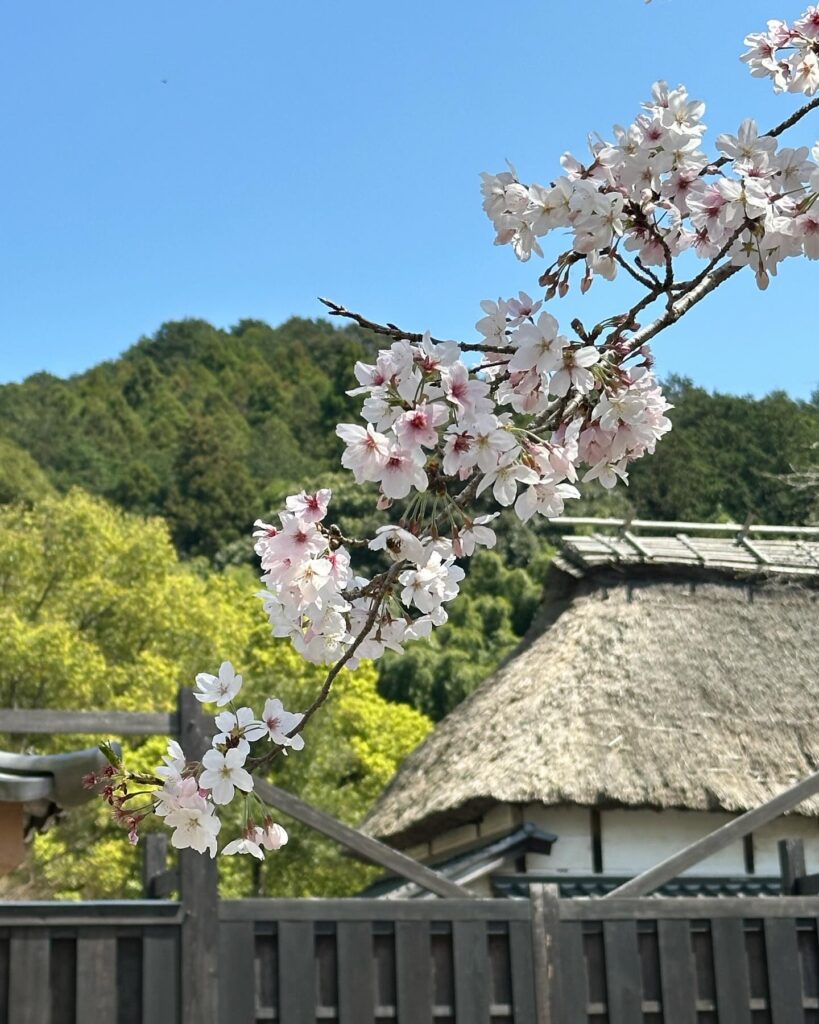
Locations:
361 845
355 908
100 723
753 549
628 536
672 866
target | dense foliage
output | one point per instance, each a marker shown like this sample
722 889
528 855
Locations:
193 423
727 457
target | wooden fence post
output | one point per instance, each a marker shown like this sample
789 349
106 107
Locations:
154 862
545 935
791 864
199 890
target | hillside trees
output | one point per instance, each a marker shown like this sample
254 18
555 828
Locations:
727 455
209 428
250 406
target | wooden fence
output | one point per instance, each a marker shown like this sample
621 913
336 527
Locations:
290 961
626 959
684 960
440 961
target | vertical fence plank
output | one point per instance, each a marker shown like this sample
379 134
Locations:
784 976
679 986
624 979
471 962
199 889
160 976
62 981
574 985
413 971
4 978
297 972
130 1009
356 979
96 975
523 972
731 971
545 933
237 969
29 998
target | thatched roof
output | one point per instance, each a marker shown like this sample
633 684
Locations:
649 684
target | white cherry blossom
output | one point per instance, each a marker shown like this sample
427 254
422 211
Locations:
225 773
219 690
195 828
278 723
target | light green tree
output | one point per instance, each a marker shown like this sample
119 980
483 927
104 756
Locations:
98 612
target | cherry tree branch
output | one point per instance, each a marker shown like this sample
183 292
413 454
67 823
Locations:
677 309
681 298
398 333
687 286
388 578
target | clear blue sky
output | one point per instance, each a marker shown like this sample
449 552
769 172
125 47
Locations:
237 159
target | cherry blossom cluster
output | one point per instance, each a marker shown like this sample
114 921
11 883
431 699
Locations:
789 54
190 794
313 597
651 193
431 425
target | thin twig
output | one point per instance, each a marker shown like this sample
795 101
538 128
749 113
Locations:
687 286
399 334
646 282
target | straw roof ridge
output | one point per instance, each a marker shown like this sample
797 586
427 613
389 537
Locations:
641 685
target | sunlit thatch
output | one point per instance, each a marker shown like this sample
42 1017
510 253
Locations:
651 685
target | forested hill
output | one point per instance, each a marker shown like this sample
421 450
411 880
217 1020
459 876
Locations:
204 426
192 424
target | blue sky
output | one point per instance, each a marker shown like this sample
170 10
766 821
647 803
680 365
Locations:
230 160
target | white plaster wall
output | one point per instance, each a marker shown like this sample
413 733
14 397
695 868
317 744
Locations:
572 853
791 826
481 887
634 840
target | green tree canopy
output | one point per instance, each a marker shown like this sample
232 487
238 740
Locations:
21 479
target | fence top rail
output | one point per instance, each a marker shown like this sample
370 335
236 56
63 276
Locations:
647 908
99 723
100 913
440 909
